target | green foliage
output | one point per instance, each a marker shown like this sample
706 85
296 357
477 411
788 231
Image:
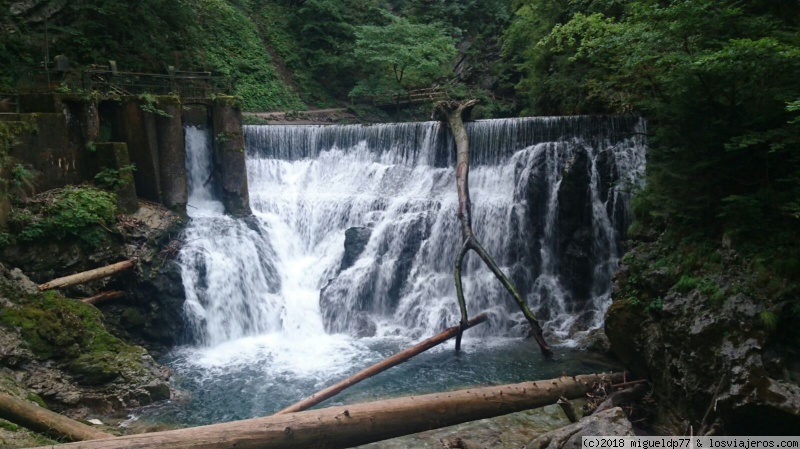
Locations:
716 81
325 33
232 48
769 319
686 284
80 212
11 427
401 56
112 179
149 104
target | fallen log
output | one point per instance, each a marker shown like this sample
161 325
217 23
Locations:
39 419
353 425
380 367
86 276
105 296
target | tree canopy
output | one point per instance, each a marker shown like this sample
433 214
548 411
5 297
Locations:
401 56
717 81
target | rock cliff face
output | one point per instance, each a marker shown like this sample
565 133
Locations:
718 355
58 350
151 311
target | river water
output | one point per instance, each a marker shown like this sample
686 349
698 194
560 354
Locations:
276 315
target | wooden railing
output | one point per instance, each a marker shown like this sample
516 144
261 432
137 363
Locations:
409 98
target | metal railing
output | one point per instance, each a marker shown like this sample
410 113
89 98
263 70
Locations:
109 81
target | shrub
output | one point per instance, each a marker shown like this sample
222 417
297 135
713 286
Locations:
80 212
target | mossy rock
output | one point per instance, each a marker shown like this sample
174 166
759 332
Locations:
132 317
72 332
622 322
95 368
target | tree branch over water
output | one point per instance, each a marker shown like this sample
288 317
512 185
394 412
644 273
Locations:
452 113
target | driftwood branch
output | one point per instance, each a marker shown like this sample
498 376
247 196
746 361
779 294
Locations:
379 367
453 112
86 276
44 421
102 297
353 425
568 409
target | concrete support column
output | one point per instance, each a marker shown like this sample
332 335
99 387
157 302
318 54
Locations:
229 156
137 129
114 156
172 155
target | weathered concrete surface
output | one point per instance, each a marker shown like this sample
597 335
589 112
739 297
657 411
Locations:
196 115
172 155
229 156
5 206
41 103
137 129
114 156
44 146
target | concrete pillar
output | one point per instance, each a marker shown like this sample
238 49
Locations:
229 156
5 205
172 155
114 156
139 133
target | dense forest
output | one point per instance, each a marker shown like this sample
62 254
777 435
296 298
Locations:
716 81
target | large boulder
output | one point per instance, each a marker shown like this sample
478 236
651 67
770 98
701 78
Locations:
612 422
707 345
59 350
355 240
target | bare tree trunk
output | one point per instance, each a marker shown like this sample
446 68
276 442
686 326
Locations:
102 297
44 421
86 276
380 367
353 425
452 112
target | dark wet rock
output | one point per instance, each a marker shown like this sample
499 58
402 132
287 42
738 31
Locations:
702 353
574 232
365 326
416 233
611 422
355 240
154 289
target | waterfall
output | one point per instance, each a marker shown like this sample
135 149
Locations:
355 230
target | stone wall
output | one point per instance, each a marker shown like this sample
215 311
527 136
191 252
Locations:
229 156
65 130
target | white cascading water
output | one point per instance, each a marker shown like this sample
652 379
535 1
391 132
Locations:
271 290
308 184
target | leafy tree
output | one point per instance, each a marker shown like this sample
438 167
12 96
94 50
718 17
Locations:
716 80
325 31
401 56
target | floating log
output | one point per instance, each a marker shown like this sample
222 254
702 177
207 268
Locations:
39 419
105 296
380 367
86 276
353 425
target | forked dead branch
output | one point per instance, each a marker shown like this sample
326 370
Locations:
452 113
